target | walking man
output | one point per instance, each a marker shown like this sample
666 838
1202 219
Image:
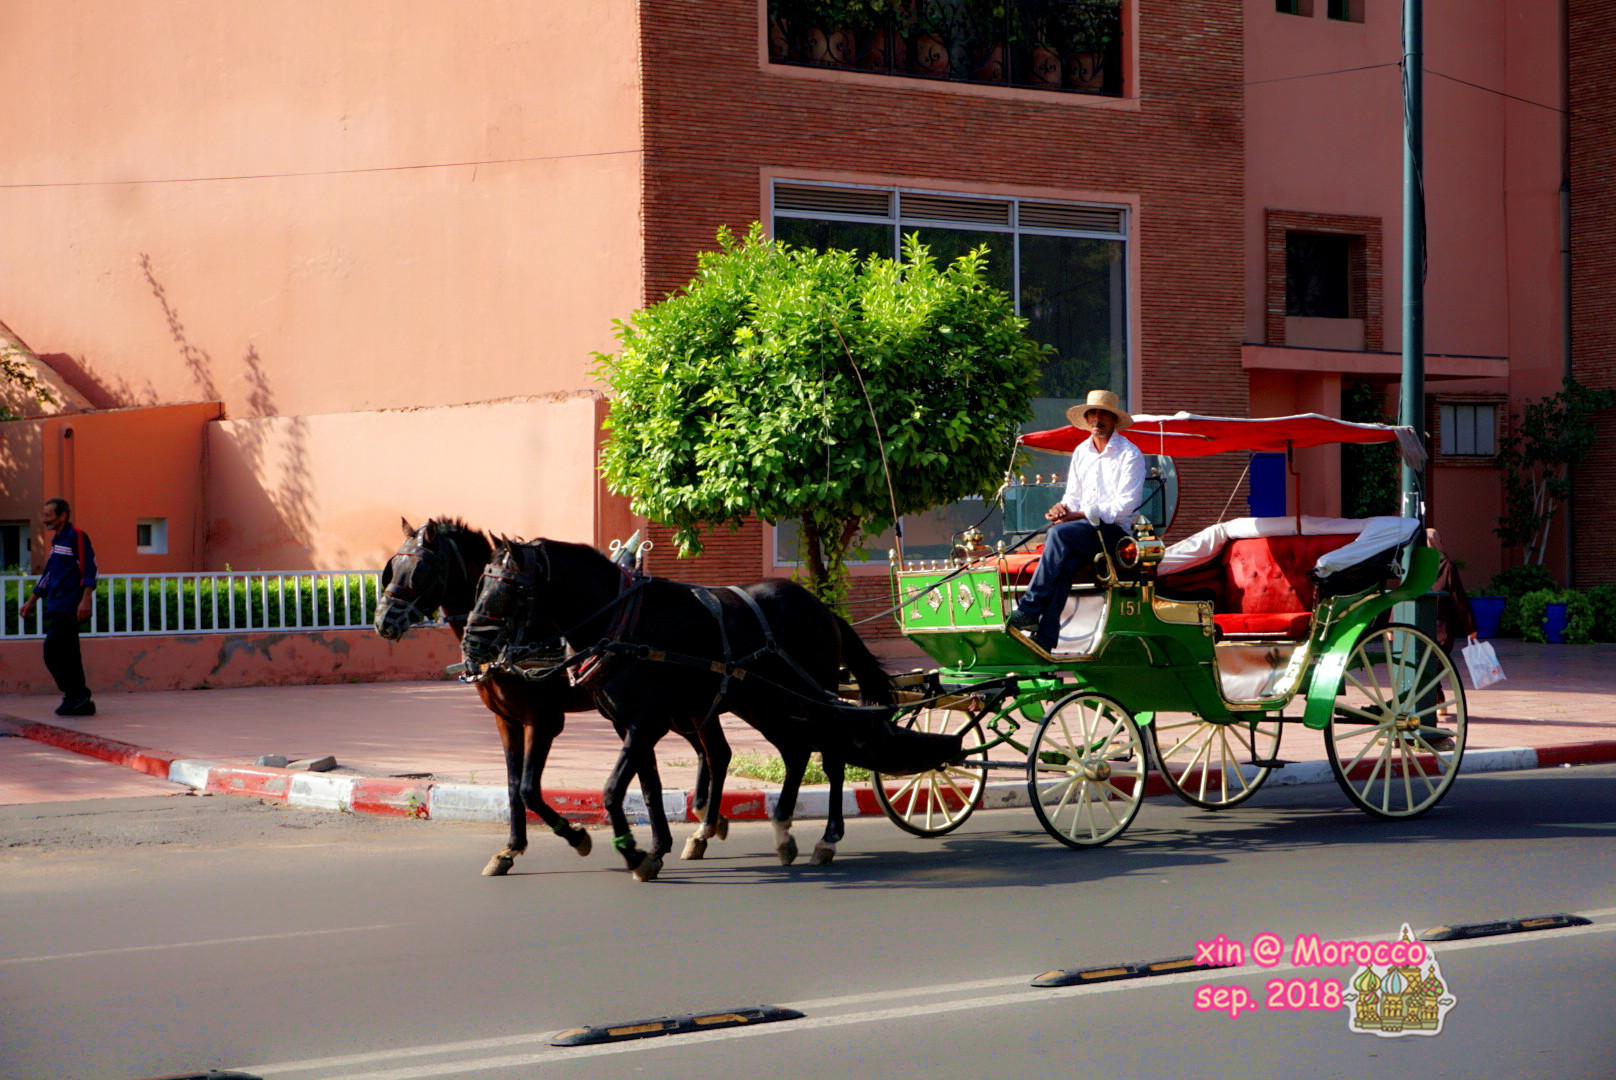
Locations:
68 586
1104 488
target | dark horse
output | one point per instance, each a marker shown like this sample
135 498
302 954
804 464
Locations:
670 645
438 566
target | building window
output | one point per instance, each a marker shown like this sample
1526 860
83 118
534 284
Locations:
151 536
1065 264
1303 8
1319 275
1468 430
1058 45
16 538
1345 10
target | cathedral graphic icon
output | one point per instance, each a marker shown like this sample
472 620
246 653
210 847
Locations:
1399 1000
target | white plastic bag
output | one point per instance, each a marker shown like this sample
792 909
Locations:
1483 663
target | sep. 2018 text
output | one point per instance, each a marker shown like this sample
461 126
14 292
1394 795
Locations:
1295 994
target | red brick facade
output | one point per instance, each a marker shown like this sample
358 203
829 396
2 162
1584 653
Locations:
1593 267
1367 270
717 116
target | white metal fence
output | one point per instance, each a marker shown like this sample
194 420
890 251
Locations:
205 603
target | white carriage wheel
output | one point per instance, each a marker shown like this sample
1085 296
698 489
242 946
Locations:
1086 770
1397 733
1209 764
936 801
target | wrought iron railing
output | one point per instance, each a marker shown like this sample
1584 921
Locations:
1057 45
208 603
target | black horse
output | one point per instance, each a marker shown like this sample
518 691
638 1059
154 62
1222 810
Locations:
661 651
437 567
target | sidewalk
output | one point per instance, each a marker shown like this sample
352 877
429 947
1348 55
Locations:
431 749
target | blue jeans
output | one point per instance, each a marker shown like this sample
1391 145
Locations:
1068 547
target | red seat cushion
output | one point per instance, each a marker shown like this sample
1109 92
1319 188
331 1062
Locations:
1022 564
1268 575
1292 624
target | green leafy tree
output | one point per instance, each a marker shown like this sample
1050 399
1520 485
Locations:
796 384
1536 458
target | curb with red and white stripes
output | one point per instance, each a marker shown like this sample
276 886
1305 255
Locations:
482 802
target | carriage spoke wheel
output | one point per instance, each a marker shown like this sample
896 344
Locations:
1397 733
1086 770
937 801
1209 764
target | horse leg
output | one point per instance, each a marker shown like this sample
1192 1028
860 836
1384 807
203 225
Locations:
661 835
516 841
714 752
796 762
538 743
835 828
616 790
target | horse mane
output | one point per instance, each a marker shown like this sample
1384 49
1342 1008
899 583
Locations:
457 532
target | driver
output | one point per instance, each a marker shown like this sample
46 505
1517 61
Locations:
1104 488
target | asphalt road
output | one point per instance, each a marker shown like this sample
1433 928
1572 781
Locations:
149 937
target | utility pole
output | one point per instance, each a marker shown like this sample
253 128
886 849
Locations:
1411 407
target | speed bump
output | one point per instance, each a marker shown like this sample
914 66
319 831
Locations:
683 1024
1506 926
1115 972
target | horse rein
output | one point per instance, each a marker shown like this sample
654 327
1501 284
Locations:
410 599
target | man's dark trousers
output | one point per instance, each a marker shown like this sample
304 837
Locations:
62 655
1068 547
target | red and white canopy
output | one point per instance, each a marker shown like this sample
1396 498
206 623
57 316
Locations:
1188 435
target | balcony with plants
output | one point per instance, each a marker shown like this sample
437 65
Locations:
1066 46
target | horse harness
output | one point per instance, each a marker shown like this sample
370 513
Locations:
586 666
412 548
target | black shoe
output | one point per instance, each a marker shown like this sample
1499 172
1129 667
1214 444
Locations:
80 707
1025 621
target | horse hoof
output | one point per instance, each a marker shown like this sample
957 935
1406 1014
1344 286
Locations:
721 831
823 853
787 851
580 842
649 868
498 866
695 848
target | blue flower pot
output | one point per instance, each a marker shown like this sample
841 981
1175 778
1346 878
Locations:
1489 611
1554 623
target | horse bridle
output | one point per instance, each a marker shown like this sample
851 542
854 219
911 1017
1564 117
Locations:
423 557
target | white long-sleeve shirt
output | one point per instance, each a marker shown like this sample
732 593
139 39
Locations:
1107 487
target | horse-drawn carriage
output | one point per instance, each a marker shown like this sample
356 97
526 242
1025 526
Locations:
1199 648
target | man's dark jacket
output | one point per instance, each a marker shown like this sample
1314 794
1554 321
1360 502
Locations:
68 572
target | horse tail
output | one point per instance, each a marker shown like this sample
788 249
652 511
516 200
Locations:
875 685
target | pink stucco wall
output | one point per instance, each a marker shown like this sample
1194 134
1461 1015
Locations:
328 491
190 662
297 207
1324 136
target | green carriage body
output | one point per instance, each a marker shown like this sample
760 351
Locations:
1152 654
1134 663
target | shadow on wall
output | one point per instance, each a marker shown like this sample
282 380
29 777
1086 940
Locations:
287 496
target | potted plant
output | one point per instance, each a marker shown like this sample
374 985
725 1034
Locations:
1557 615
1093 27
1603 599
881 28
1510 586
935 31
1045 26
987 33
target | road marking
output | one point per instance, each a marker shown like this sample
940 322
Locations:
196 944
995 1001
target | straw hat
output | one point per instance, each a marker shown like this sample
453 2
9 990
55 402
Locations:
1099 399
